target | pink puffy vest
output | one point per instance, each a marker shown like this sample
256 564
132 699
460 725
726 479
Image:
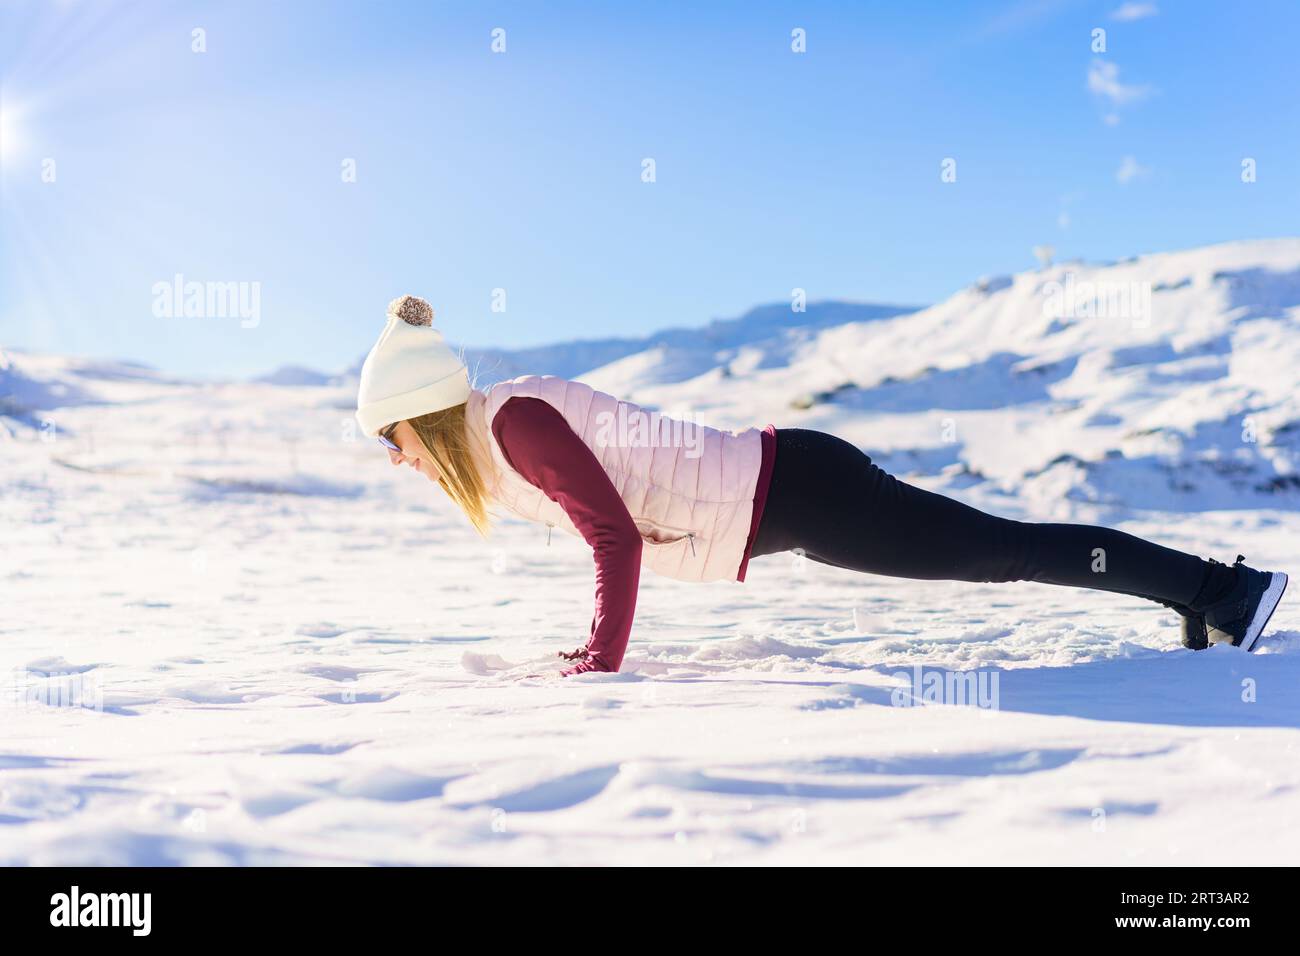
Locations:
689 488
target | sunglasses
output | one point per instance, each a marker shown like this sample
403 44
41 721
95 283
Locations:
386 441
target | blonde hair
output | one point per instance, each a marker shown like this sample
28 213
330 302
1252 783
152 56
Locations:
444 435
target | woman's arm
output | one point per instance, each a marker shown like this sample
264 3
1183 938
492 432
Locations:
540 445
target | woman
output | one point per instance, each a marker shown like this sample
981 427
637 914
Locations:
697 503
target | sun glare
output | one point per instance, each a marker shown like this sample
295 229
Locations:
10 134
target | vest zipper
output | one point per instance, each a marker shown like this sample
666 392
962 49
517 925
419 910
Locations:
548 534
657 526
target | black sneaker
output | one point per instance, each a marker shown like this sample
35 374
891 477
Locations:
1240 617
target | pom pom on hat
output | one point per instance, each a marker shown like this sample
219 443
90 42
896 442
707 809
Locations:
410 371
412 310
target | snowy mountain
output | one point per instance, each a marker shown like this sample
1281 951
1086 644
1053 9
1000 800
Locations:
678 353
297 375
1164 381
32 384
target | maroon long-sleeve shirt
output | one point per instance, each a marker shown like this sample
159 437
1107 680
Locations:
540 445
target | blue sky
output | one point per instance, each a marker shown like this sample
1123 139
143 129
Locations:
522 170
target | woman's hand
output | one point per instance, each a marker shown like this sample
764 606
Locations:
586 663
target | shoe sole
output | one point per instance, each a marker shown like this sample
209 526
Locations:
1268 603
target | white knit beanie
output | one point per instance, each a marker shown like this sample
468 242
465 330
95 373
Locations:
411 371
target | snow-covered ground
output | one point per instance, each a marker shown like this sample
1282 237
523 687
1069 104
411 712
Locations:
290 652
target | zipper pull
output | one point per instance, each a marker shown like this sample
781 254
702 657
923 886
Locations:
690 536
548 534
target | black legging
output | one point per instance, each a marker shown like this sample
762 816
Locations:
828 499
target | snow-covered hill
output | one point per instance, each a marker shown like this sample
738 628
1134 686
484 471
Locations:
1166 381
675 353
232 633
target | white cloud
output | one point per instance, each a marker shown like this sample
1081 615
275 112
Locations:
1134 11
1019 15
1103 80
1129 170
